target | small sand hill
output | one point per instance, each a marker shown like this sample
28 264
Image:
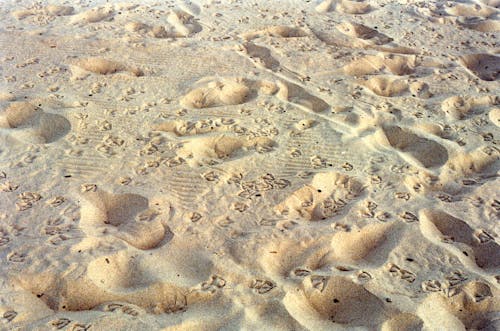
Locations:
103 66
465 164
385 86
389 63
460 239
50 10
30 124
180 25
200 150
124 278
279 31
344 6
494 116
473 307
125 216
458 107
93 15
327 194
217 93
357 245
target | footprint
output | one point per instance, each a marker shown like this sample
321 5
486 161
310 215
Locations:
483 66
281 31
385 86
372 64
459 238
425 152
298 95
30 124
102 66
326 196
124 216
335 299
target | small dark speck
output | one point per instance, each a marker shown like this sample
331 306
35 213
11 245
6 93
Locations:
465 253
67 176
107 260
409 259
336 300
388 300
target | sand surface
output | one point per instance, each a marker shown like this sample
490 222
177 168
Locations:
250 165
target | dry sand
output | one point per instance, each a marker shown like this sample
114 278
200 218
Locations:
250 165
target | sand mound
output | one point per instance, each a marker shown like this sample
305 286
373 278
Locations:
217 93
201 150
385 86
403 321
460 238
326 196
358 244
105 67
125 216
353 7
484 66
280 31
93 15
371 64
30 124
458 107
468 163
460 9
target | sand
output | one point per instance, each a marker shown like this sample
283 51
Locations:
250 165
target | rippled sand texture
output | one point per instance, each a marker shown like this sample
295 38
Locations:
250 165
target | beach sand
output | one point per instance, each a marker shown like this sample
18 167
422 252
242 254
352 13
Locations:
250 165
